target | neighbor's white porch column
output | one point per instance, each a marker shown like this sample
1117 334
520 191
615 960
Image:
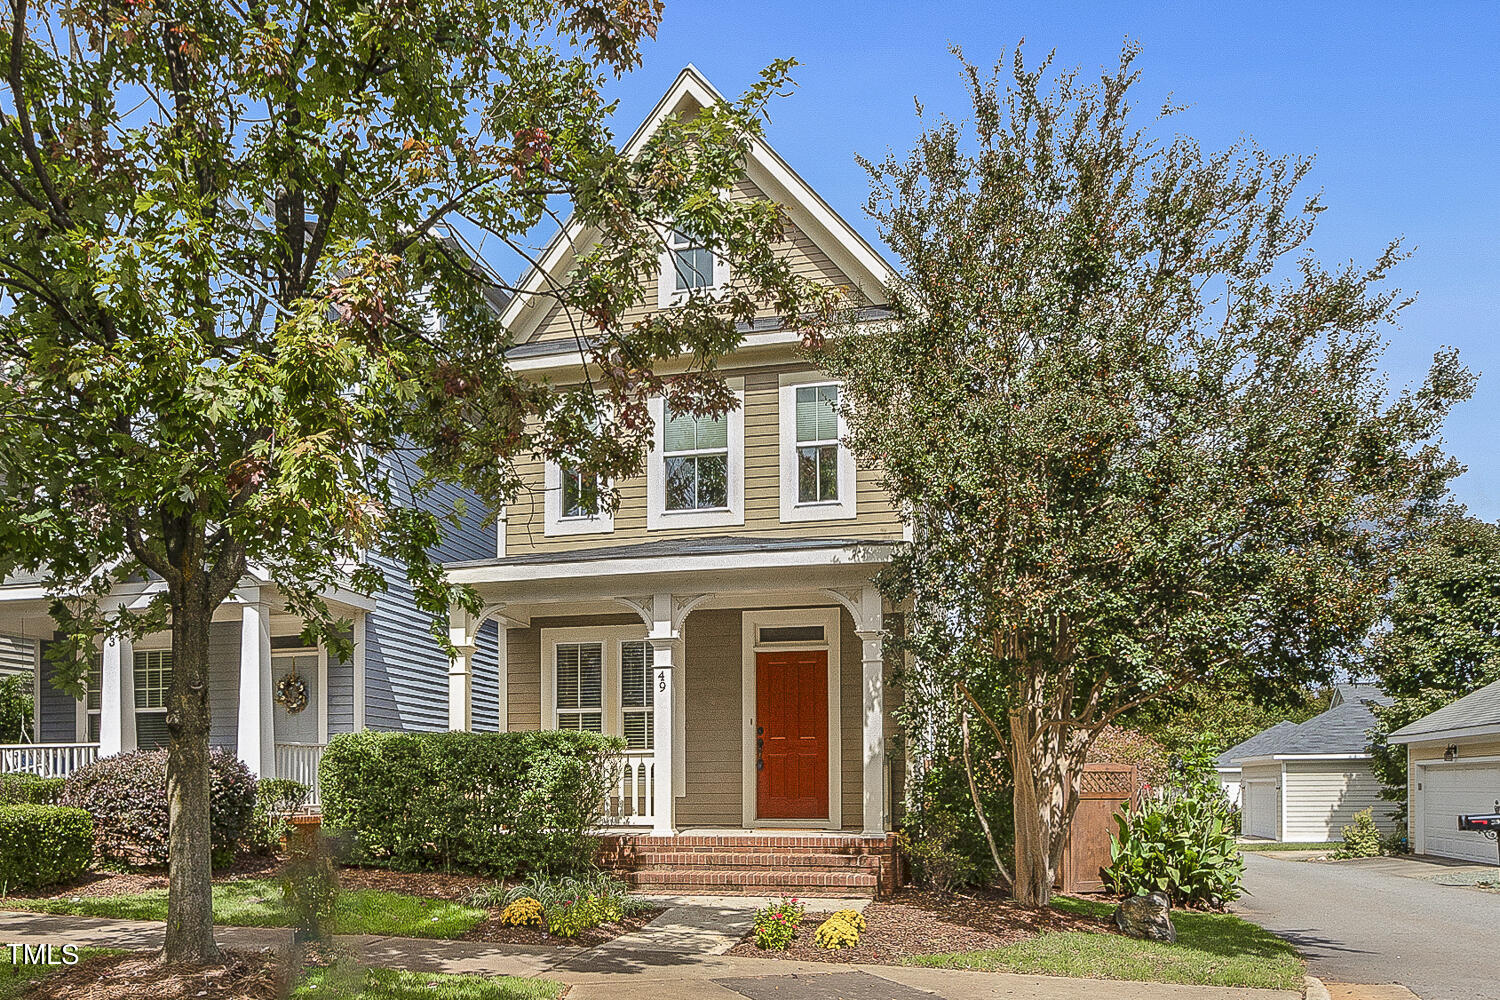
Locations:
117 697
871 634
666 645
461 633
256 739
502 679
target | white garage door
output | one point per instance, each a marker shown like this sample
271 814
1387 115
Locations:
1449 790
1259 817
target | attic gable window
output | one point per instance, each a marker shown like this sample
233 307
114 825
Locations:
687 268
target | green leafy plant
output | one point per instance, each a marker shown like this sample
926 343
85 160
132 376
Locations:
838 931
276 800
30 789
15 708
491 802
1361 838
1178 843
43 845
777 924
938 859
127 796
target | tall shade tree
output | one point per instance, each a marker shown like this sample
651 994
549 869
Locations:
1136 428
239 327
1441 636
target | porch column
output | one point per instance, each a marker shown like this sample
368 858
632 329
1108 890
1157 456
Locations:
871 634
502 679
117 697
666 645
461 633
256 738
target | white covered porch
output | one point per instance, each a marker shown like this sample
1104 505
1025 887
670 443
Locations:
254 646
706 617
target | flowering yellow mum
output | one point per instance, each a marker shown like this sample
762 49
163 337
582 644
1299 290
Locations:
836 932
524 912
854 918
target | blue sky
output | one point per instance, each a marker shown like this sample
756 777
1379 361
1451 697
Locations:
1399 102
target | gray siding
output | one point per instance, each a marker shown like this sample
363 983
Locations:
59 712
340 695
224 684
15 655
406 672
486 671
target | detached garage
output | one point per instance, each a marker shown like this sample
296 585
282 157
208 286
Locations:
1453 758
1304 783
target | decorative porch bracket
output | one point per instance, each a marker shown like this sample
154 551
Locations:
463 633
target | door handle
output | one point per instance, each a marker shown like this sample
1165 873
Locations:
760 730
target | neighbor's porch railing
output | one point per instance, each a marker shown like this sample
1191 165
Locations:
634 800
299 761
50 760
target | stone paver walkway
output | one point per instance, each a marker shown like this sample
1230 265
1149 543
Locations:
631 973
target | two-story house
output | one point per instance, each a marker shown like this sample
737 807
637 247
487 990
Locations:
722 619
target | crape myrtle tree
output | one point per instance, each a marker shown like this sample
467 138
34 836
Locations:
1136 428
1440 637
238 329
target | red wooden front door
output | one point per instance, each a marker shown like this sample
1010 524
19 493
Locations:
791 736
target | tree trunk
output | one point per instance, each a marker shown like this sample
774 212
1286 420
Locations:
1047 770
190 923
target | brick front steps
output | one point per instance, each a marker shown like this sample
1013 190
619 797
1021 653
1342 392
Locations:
751 864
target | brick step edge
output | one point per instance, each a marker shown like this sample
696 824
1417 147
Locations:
863 880
731 861
827 844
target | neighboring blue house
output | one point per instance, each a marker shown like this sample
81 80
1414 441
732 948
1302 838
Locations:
397 678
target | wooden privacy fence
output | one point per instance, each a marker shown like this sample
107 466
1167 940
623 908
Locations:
1104 789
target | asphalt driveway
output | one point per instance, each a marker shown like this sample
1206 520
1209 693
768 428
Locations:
1364 922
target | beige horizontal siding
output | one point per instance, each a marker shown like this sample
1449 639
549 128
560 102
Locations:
875 516
1468 749
1321 798
806 258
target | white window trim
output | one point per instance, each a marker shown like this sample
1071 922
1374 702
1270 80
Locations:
554 524
152 646
608 636
846 505
667 295
658 518
750 624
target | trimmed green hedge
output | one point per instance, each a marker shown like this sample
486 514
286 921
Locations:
43 845
501 803
30 789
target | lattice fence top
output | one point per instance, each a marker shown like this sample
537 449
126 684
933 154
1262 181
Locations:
1107 781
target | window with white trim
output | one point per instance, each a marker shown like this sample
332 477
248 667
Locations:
817 469
817 444
579 686
696 457
692 265
94 696
580 493
637 695
153 679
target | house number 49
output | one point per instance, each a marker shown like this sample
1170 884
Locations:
661 680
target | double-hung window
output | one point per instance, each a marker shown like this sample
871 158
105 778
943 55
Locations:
153 679
636 694
817 444
692 265
574 502
580 686
600 679
580 493
697 462
817 470
93 698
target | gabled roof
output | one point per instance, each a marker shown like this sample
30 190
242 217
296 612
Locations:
1339 732
1476 713
808 211
1255 745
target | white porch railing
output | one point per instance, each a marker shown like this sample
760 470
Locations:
299 761
50 760
633 803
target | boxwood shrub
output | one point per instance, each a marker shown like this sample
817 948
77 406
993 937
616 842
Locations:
501 803
30 789
127 796
43 845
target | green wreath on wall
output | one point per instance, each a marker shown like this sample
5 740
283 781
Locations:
291 692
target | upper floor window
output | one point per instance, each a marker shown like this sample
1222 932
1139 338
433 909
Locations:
692 265
817 470
697 462
817 443
574 503
695 475
580 493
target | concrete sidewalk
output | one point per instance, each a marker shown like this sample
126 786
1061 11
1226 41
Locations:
627 968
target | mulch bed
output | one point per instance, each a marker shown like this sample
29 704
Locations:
115 883
922 923
244 976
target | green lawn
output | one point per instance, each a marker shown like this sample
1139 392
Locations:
395 984
1268 846
257 903
1212 949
